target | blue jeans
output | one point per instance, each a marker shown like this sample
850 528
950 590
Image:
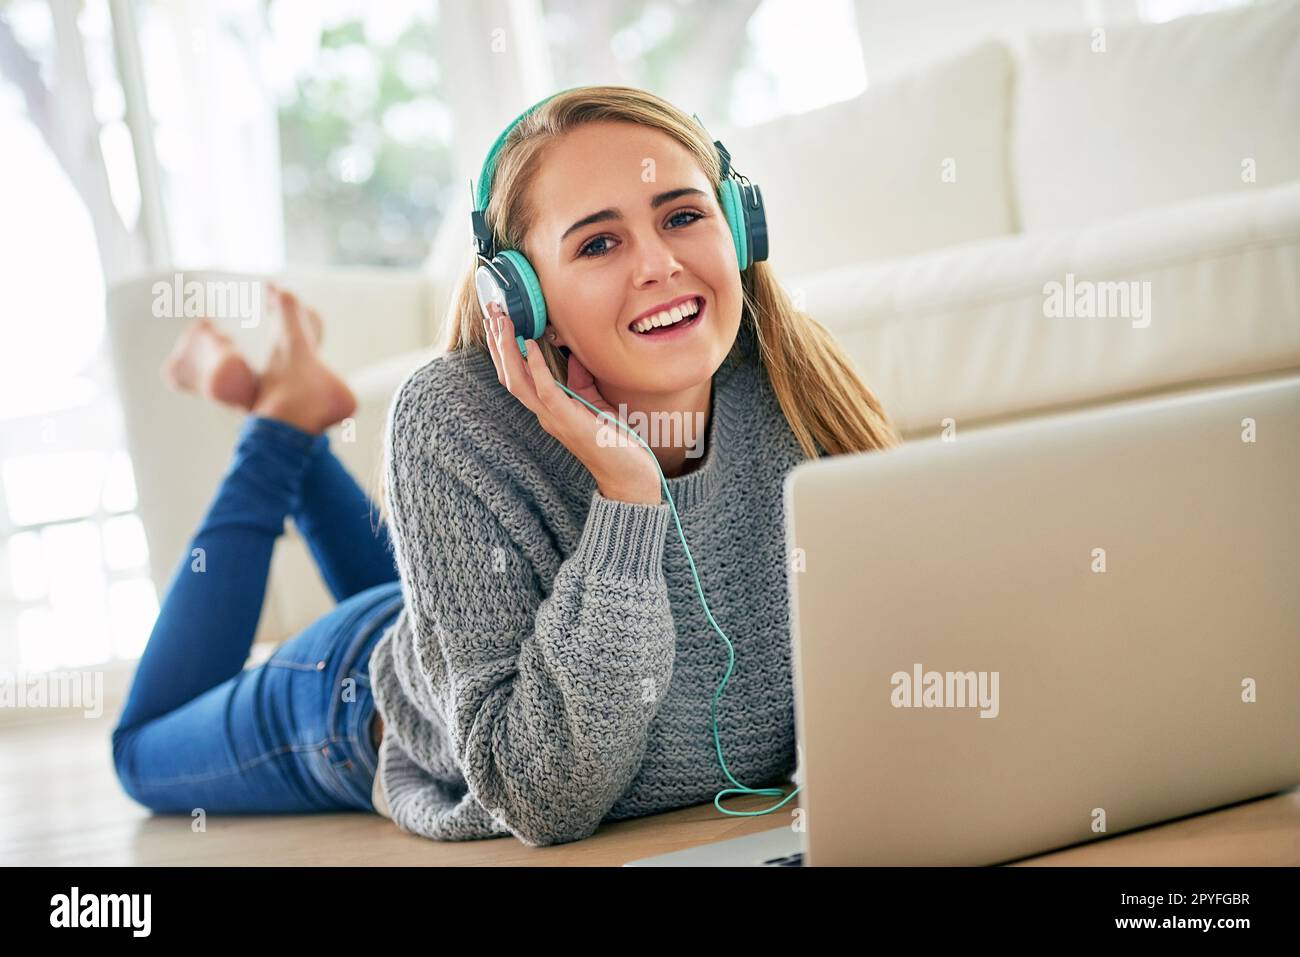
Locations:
199 730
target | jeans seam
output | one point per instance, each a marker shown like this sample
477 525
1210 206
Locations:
354 650
274 752
297 665
241 767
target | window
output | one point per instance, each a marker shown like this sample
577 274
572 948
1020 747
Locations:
364 135
738 62
295 131
74 575
275 131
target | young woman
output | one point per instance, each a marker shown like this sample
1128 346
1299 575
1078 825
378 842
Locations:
534 656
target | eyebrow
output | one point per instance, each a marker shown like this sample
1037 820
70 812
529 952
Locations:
655 203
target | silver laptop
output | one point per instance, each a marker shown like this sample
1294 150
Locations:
1042 633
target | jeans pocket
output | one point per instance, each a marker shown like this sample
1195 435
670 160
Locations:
340 765
345 773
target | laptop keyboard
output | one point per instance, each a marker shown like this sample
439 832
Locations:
787 860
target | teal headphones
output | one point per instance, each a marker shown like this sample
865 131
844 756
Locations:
506 277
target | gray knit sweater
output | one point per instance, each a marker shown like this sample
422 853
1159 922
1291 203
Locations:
552 667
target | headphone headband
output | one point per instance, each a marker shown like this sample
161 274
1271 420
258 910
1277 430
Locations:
483 237
483 195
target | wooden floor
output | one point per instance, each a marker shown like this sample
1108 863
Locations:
60 804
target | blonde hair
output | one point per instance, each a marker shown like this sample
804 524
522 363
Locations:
829 408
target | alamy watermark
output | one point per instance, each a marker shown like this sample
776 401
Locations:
1086 299
54 689
131 911
241 299
660 430
946 689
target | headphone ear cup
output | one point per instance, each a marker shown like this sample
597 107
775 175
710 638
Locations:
495 283
730 200
531 322
755 222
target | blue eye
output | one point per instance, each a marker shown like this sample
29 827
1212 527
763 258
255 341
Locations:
686 212
583 252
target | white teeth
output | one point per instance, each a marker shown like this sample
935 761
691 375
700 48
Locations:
676 314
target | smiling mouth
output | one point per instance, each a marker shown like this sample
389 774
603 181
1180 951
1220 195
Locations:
682 323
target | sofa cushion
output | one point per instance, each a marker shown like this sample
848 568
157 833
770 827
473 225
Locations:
1164 112
913 164
1002 328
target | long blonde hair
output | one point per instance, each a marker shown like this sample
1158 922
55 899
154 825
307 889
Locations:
828 406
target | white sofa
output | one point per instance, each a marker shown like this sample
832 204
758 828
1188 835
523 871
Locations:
930 224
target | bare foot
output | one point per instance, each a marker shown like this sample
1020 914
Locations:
206 362
296 385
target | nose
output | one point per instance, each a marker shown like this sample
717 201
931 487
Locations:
655 261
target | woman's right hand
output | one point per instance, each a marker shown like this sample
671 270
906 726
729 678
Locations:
624 470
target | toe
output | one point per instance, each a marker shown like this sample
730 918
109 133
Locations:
291 320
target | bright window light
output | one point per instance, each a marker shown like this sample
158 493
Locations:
52 487
132 609
808 60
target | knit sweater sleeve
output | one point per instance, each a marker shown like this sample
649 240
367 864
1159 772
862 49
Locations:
548 697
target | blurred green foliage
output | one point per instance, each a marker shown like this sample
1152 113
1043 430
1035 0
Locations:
355 193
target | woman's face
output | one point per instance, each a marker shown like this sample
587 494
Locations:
626 221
